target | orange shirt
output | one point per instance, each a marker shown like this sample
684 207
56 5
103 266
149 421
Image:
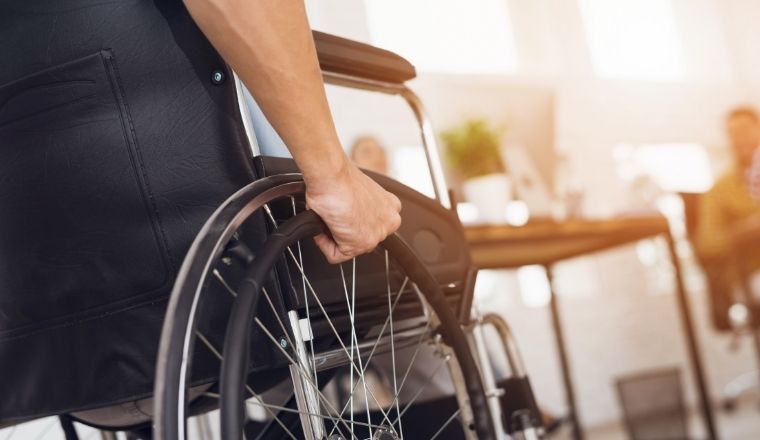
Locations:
720 209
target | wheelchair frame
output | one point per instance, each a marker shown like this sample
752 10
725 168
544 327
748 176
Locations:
476 322
473 325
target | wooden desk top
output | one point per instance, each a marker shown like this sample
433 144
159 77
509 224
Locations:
505 246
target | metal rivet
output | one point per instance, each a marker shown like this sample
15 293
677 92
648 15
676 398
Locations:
283 342
217 77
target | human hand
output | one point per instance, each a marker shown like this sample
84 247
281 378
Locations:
358 212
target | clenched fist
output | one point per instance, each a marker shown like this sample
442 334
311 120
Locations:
358 212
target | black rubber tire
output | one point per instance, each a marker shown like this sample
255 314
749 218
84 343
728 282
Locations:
237 341
179 327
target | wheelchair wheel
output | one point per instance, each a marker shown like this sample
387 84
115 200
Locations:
286 345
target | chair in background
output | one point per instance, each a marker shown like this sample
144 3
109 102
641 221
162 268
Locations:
653 405
728 311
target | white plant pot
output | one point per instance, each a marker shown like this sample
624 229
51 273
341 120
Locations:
490 195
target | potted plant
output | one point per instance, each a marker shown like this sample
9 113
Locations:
473 151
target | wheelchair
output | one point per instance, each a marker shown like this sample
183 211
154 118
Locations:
260 330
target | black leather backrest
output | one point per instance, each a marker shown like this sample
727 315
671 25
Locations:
115 147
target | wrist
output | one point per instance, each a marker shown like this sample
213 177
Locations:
327 171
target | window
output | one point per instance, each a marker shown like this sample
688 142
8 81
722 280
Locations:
535 290
448 36
409 166
632 39
658 162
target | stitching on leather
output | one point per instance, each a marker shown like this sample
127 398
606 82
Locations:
9 122
127 114
107 312
46 86
144 297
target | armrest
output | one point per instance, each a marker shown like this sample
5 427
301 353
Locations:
349 57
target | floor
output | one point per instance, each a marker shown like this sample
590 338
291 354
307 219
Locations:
741 424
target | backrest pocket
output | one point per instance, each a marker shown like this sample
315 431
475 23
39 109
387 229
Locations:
79 234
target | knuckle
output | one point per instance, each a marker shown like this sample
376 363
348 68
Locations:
396 222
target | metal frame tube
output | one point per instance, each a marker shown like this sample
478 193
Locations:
307 398
486 371
431 148
508 341
427 134
245 115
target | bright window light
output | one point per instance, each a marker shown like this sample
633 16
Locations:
535 290
674 167
447 36
518 213
409 166
633 39
467 212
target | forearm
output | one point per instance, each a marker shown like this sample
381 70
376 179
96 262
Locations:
269 45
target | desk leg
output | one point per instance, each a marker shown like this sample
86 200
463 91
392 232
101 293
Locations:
691 341
564 364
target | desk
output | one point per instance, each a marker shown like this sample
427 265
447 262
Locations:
504 247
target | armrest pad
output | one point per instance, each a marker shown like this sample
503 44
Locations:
349 57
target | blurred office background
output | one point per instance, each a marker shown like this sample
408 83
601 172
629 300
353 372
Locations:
622 100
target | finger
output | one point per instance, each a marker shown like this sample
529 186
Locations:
365 245
326 245
395 223
391 225
330 249
396 203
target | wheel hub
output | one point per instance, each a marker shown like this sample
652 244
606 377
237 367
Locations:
385 433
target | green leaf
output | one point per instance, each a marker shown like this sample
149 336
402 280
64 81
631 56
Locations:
473 148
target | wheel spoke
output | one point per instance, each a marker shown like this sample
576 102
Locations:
219 356
335 331
419 392
307 283
393 346
409 369
305 279
221 279
355 340
269 301
450 419
360 369
297 411
306 355
297 365
377 341
305 297
350 309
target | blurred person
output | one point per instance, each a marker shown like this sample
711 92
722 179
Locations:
367 152
753 177
730 202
